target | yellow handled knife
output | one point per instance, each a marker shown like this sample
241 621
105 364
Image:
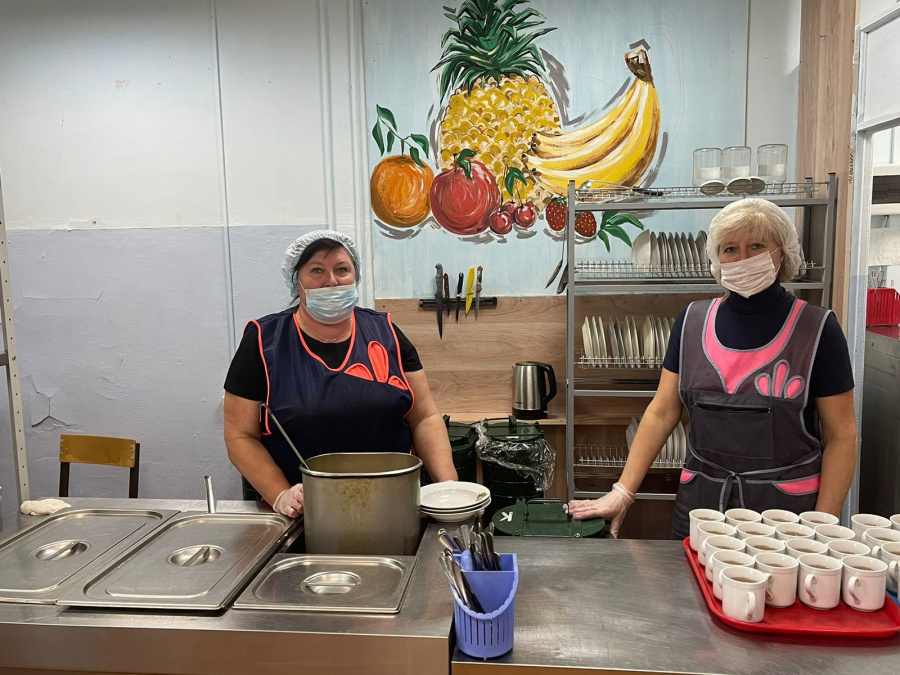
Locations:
470 281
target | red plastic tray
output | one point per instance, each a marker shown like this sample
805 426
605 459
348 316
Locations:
798 619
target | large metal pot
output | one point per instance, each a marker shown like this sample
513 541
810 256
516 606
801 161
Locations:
362 503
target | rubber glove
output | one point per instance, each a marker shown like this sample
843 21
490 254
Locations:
290 502
611 506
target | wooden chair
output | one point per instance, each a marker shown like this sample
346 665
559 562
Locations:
125 452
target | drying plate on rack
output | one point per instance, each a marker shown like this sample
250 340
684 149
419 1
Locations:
641 250
586 338
613 340
601 337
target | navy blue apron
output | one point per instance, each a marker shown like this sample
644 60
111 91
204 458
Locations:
361 406
748 443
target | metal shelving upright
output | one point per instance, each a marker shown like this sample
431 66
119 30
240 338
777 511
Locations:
817 238
9 358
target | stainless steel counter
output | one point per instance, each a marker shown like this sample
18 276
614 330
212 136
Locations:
633 606
415 641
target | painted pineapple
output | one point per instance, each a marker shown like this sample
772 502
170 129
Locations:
495 70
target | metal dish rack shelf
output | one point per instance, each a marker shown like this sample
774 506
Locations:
621 270
608 192
590 456
642 363
817 214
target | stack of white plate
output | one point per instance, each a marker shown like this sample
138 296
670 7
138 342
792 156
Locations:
454 501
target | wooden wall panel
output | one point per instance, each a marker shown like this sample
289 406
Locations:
827 87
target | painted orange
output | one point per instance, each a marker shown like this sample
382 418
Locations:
399 189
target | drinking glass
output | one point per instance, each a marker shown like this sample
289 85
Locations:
771 162
707 165
736 162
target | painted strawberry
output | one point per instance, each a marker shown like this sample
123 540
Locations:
556 214
585 224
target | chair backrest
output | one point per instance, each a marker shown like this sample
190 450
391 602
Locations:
124 452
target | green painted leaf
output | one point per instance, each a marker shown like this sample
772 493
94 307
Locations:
626 218
390 140
386 115
422 141
414 153
379 139
601 235
617 232
604 219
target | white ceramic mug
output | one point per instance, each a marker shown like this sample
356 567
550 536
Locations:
819 581
864 521
744 593
757 545
895 521
876 537
719 560
841 548
815 518
890 556
698 516
775 517
787 531
826 533
719 542
797 547
781 589
864 582
712 529
737 516
747 530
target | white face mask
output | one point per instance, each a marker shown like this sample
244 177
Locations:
750 276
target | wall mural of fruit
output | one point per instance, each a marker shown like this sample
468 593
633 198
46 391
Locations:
526 95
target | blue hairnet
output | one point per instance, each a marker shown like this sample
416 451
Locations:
295 250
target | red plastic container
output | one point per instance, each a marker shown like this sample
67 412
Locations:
798 619
882 307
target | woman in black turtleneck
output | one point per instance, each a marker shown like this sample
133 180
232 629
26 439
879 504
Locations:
765 379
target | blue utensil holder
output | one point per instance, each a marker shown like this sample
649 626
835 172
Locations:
490 634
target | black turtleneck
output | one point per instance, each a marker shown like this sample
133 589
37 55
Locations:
750 323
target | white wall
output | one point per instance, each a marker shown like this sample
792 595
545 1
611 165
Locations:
157 158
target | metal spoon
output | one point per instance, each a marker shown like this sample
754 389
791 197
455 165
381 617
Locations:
447 542
263 406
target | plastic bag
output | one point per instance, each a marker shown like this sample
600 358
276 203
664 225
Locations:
531 456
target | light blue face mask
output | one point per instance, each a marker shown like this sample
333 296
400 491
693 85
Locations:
331 304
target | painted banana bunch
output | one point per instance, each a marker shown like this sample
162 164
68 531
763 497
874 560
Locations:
618 148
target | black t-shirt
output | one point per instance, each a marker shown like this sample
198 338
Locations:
751 323
247 374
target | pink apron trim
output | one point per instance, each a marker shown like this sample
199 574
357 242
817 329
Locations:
686 475
800 487
736 365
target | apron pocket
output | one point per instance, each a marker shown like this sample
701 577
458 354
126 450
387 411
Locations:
696 491
794 494
731 430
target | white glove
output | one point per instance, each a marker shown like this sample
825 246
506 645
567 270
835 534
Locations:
290 502
611 506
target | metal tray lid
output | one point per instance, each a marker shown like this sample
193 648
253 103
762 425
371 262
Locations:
195 561
40 563
545 518
330 583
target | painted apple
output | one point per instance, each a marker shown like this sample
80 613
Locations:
464 197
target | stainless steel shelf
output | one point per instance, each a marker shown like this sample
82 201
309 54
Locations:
590 456
624 393
650 496
666 286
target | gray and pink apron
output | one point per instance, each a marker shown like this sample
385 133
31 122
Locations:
748 444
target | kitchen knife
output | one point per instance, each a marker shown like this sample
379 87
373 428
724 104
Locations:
459 285
439 298
470 280
478 291
447 293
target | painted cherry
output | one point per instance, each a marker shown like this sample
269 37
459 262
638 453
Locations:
526 215
501 222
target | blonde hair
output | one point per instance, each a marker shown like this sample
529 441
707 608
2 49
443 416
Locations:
762 219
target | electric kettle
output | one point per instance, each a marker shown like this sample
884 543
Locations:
531 380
